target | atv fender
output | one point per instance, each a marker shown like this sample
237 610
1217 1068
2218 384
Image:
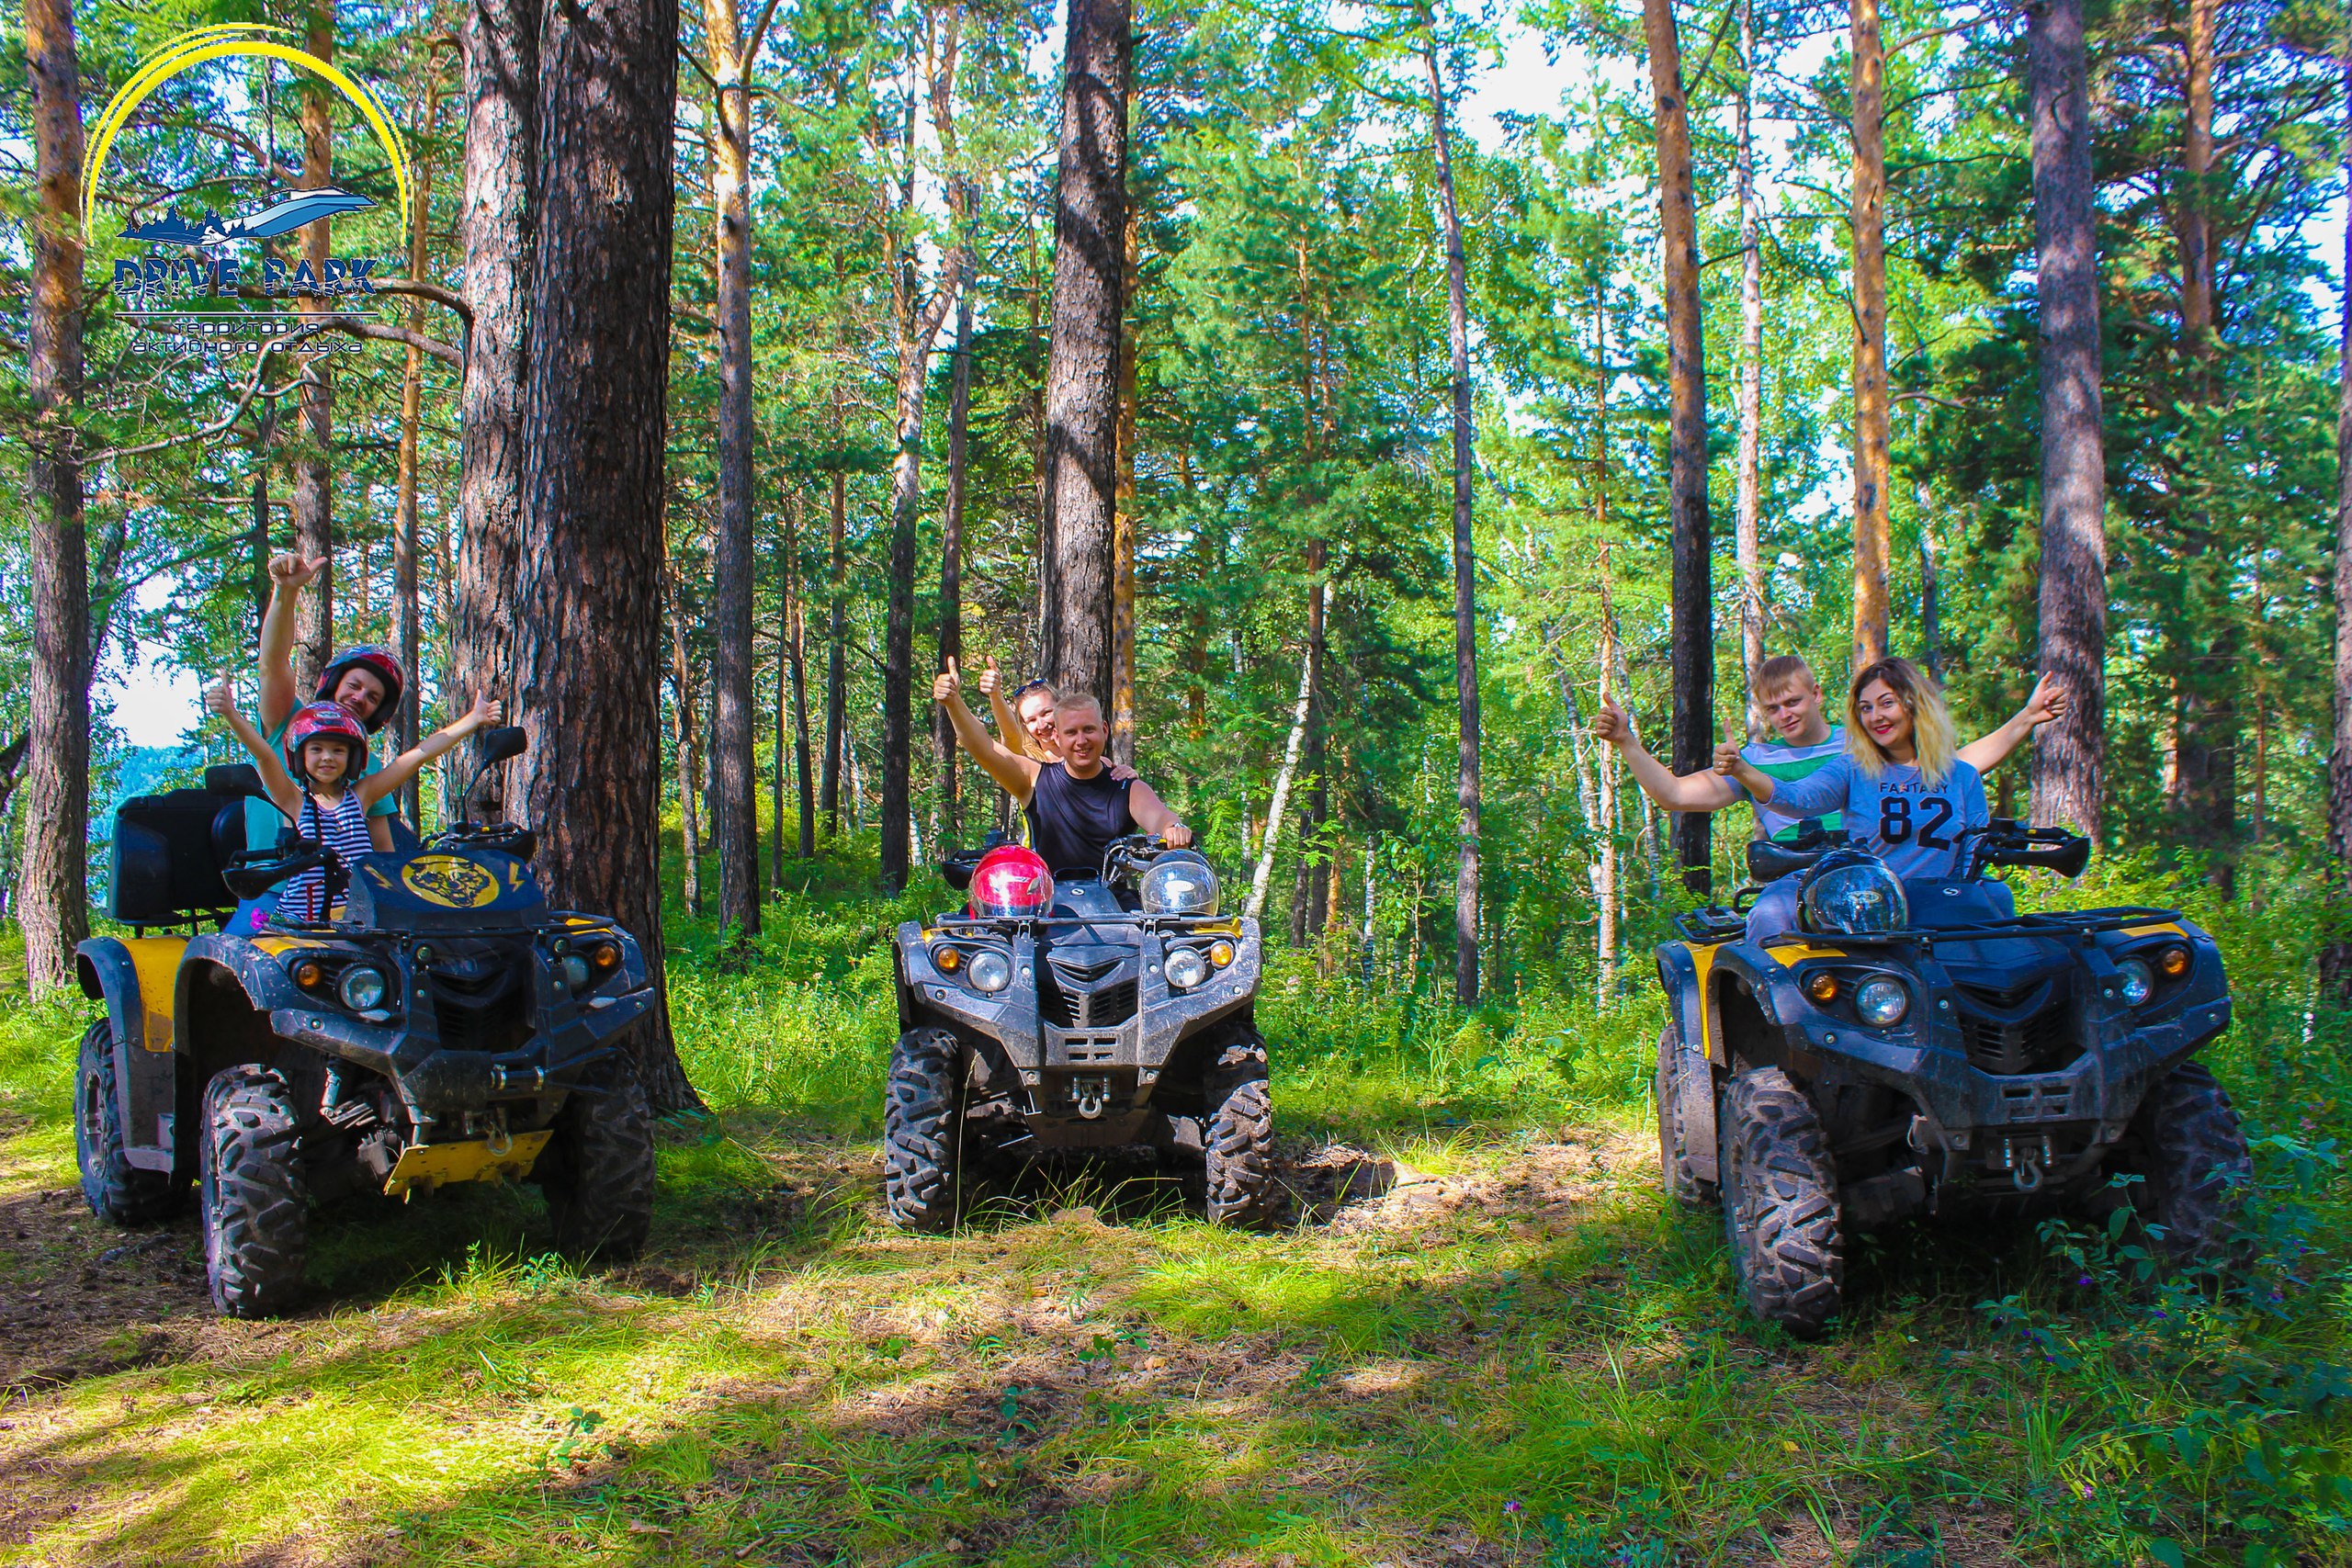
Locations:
136 977
1684 971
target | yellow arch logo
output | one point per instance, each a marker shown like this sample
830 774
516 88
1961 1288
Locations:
450 881
232 40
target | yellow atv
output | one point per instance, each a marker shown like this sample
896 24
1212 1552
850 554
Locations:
444 1026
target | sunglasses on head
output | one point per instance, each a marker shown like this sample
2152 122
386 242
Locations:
1026 687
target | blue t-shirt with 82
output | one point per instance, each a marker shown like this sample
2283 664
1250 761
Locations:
1914 825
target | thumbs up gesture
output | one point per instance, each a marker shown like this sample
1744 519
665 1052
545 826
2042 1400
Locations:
1609 724
948 684
1727 752
991 682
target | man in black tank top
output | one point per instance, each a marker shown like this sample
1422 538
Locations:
1075 807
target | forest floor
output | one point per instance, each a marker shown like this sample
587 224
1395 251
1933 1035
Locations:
1484 1338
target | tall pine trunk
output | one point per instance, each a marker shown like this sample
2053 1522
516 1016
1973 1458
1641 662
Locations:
1466 559
2070 755
796 649
735 826
1123 501
1692 591
950 562
1081 377
685 676
588 616
404 537
501 159
54 908
1866 215
313 468
836 649
2335 958
1751 375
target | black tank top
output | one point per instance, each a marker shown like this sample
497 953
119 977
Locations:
1072 821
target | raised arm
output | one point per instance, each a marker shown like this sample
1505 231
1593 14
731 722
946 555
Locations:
1708 791
283 791
2048 701
289 575
394 774
1016 773
1819 792
1151 815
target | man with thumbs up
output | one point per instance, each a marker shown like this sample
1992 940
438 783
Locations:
1027 721
1075 805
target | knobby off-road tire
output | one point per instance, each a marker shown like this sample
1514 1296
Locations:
1780 1197
922 1131
597 1170
1676 1173
254 1201
2194 1156
116 1191
1238 1139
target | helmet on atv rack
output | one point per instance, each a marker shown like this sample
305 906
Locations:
1180 882
330 721
1011 881
378 661
1849 892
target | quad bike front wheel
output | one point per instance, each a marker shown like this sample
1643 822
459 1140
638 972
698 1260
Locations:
115 1190
1681 1074
1780 1197
2194 1156
922 1130
1238 1142
597 1170
254 1201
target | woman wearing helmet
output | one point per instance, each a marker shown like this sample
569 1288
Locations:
320 783
366 679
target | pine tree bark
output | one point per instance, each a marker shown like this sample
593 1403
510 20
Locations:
1692 590
588 616
1751 377
685 748
2335 958
502 51
797 649
836 650
1466 559
1867 217
1123 506
734 824
1606 889
53 884
1081 377
405 536
950 562
2069 761
313 468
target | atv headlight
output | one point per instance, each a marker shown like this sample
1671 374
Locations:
1180 883
1880 1003
2139 981
1186 968
988 971
1863 898
575 971
362 988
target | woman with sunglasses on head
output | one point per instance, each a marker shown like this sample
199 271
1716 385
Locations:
1027 720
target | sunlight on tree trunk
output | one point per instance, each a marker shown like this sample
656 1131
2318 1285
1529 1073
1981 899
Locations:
950 562
406 609
1262 878
313 468
1866 217
1751 377
2335 958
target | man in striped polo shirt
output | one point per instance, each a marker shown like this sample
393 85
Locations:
1801 740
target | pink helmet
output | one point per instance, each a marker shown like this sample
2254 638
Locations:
330 720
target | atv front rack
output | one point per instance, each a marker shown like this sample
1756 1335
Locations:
1716 923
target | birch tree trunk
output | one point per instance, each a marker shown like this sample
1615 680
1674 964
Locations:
1867 216
2070 755
1693 634
1263 876
1751 378
54 906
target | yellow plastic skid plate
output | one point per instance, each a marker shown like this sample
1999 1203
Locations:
424 1167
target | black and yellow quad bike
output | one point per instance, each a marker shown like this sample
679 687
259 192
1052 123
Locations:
1918 1047
444 1027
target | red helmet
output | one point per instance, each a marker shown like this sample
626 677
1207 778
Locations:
1011 880
378 661
332 720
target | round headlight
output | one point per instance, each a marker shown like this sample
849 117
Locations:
575 971
1180 883
1860 897
2139 981
2174 961
988 971
1186 968
1880 1003
362 988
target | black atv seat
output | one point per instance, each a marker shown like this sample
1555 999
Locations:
170 850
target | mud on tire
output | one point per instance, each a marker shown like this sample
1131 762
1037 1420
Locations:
255 1201
922 1130
115 1190
2194 1155
1780 1197
1676 1173
1237 1136
597 1169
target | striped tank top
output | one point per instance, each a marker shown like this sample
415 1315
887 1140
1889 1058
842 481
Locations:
1784 764
342 828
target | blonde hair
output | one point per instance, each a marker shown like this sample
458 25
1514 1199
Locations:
1080 702
1781 673
1935 744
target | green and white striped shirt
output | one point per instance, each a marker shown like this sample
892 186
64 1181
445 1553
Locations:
1784 763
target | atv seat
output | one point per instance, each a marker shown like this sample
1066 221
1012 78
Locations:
169 849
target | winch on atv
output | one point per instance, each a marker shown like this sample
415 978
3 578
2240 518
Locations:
1088 1012
1920 1047
443 1026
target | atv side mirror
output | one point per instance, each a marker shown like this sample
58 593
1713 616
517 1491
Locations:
240 779
498 745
